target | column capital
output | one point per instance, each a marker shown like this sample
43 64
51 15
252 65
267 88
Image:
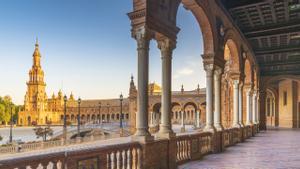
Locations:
218 70
236 83
166 44
143 35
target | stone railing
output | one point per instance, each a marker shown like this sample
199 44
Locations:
119 156
161 153
49 144
194 146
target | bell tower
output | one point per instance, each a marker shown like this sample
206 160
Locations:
36 98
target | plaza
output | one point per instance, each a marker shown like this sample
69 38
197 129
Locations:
247 116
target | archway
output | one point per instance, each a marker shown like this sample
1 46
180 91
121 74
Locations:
246 89
230 78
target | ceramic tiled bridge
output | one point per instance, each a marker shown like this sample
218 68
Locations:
268 150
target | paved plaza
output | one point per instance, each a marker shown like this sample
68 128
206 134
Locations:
273 149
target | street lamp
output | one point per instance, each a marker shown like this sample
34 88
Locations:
121 113
65 118
100 112
78 117
11 124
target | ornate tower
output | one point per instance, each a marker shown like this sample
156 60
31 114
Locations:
132 105
36 98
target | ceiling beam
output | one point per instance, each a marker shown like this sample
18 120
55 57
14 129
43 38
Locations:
280 63
280 72
266 30
277 50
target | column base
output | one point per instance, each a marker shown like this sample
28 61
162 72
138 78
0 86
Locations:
211 129
236 126
182 129
168 135
142 139
219 127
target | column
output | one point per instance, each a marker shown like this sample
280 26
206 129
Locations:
217 90
249 116
236 104
271 110
182 121
143 40
151 119
209 98
166 46
258 108
241 105
198 119
254 114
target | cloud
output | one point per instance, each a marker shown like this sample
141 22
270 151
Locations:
183 72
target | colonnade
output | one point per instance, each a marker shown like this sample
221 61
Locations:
213 91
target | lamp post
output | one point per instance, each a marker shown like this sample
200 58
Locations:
121 113
78 118
100 121
11 124
65 118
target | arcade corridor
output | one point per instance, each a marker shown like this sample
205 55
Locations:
268 150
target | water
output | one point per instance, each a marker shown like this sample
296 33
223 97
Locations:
25 134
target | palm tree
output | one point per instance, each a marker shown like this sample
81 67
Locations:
43 132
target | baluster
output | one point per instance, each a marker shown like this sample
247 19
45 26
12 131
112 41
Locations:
118 160
134 158
108 162
139 159
59 165
124 159
129 157
113 161
185 149
40 166
50 165
190 149
178 150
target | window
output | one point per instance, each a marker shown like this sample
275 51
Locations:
285 98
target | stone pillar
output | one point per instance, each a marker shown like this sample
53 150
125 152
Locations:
241 105
166 46
198 119
254 114
151 119
217 90
249 116
182 121
236 104
209 98
258 107
143 40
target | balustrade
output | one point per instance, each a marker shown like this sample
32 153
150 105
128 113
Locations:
193 146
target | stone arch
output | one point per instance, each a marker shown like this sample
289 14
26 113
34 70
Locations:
205 23
232 54
270 107
190 116
176 112
248 72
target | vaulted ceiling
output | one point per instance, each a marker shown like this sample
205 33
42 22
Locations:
273 29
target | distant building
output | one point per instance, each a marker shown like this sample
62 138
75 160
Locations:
41 110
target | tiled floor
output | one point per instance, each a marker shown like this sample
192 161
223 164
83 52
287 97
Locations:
274 149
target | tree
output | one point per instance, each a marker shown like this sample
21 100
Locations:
1 138
43 132
6 105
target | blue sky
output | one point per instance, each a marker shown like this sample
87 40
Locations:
86 48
